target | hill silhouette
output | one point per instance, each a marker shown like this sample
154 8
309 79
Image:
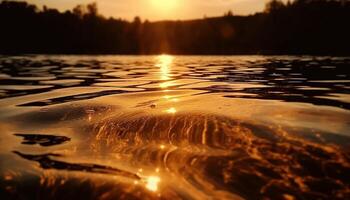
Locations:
298 27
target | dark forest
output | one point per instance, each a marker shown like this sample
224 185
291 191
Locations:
318 27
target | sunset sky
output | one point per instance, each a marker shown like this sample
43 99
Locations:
162 9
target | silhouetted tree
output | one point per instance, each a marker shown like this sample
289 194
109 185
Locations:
92 9
273 6
79 11
228 13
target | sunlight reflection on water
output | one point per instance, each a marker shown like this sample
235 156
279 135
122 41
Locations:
164 62
182 127
152 183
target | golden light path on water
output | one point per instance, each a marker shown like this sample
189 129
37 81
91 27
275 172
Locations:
164 64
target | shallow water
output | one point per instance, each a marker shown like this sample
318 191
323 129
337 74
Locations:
174 127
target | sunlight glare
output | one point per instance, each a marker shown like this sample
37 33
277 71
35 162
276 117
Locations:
164 5
171 110
152 183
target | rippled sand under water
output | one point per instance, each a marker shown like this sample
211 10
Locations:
114 127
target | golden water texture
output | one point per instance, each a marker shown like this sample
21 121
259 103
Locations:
114 127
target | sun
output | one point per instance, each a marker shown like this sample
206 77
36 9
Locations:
164 5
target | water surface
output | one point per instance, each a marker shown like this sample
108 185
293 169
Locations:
174 127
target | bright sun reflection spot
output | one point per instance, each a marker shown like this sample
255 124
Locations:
152 183
170 98
171 110
175 100
165 85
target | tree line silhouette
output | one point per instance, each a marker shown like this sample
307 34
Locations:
297 27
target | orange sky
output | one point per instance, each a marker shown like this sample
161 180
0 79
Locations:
162 9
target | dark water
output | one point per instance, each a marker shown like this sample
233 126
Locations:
168 127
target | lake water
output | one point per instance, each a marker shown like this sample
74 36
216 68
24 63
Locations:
174 127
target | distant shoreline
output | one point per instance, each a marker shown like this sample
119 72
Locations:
314 27
116 54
